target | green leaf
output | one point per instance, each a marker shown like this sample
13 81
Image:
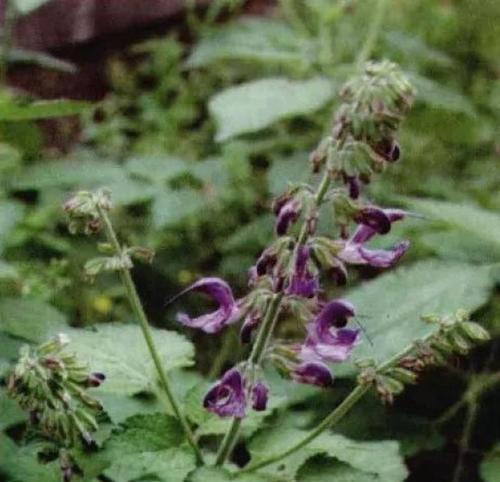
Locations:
42 109
258 104
490 466
10 215
171 207
215 474
147 446
120 407
253 39
66 174
43 60
479 223
120 352
321 469
30 319
381 459
10 413
8 272
394 302
440 97
287 171
156 169
27 6
20 464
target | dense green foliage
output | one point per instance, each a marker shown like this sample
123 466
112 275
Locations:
194 140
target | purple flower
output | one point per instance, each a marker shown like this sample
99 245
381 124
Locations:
374 218
302 282
95 379
227 397
259 396
327 338
265 262
227 313
312 373
250 323
354 251
388 149
287 215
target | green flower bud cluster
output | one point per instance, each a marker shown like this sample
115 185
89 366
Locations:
456 335
83 211
374 104
51 384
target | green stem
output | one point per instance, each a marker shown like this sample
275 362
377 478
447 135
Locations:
138 310
335 416
373 32
255 358
267 328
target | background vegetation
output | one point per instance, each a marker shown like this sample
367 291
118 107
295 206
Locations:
193 165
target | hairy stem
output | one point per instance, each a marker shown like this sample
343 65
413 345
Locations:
267 328
335 416
265 333
138 310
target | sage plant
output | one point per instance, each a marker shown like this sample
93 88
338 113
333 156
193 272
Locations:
288 276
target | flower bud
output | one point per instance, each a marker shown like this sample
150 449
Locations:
474 331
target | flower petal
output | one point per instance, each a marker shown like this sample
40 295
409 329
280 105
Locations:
384 258
312 373
287 215
259 396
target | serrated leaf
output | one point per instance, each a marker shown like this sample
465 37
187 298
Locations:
380 459
30 319
258 104
394 302
253 39
483 225
120 352
20 464
42 109
147 446
170 207
490 466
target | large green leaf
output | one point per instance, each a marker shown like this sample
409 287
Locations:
121 353
392 304
30 319
479 223
147 447
42 109
258 104
253 39
171 206
216 474
490 466
380 460
321 469
20 464
156 169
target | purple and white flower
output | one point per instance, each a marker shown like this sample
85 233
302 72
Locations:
287 215
327 339
226 398
228 311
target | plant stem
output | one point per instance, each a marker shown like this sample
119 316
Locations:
138 310
255 357
335 416
373 32
267 328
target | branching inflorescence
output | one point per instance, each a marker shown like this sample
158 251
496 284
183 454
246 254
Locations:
286 279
